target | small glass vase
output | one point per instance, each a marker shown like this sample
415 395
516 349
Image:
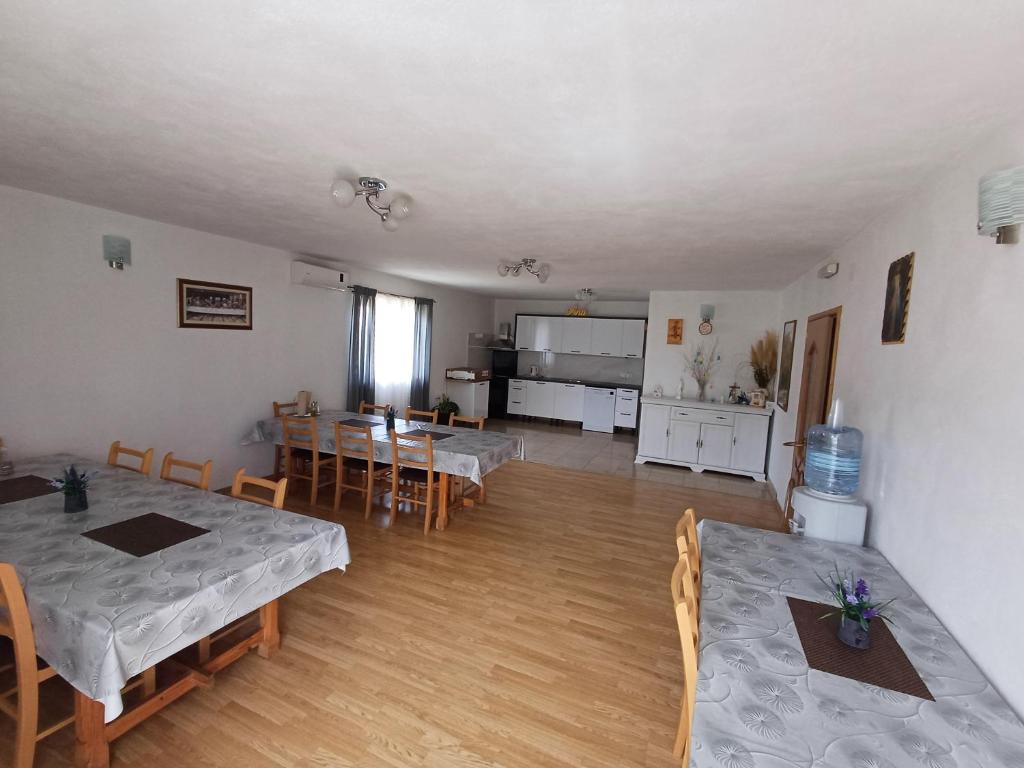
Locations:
76 502
702 391
851 633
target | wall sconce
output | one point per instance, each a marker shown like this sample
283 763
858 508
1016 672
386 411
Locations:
829 271
1001 205
707 314
117 251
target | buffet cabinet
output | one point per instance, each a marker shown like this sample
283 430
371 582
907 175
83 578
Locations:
699 435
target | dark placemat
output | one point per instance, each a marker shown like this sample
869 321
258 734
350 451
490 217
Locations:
26 487
361 423
425 432
884 664
145 534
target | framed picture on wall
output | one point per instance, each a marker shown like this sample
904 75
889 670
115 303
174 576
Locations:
214 305
786 364
675 331
897 300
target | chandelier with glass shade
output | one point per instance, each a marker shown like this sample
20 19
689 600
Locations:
369 188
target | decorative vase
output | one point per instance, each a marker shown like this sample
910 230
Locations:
391 423
851 633
76 502
702 390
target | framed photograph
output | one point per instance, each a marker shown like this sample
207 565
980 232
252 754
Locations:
786 364
214 305
675 331
897 300
757 398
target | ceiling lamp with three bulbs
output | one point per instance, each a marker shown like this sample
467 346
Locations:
345 192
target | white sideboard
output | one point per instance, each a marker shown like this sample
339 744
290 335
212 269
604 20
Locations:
702 435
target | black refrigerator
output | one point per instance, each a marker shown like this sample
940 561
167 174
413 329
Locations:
503 367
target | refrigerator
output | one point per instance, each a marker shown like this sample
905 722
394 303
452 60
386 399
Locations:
503 368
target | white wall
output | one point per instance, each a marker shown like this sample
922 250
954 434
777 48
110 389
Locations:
741 317
941 419
89 354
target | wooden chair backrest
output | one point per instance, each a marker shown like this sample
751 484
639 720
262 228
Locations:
682 589
365 407
300 432
277 488
411 414
687 634
145 458
354 442
204 470
472 421
420 454
285 409
687 539
16 624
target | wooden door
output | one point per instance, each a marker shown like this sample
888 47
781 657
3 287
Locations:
816 384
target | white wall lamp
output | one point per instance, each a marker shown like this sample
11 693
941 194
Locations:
1001 205
707 314
540 271
345 192
117 251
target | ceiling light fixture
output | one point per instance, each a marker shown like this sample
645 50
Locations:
541 272
345 192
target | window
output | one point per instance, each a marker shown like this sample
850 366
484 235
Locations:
393 339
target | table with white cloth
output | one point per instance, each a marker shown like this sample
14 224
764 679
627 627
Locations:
470 453
101 616
759 704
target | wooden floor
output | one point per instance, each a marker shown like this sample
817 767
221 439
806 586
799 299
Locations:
536 631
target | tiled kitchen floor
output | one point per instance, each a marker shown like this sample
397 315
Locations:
614 454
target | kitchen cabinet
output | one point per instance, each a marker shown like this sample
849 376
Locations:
633 332
627 402
576 333
547 334
516 397
606 337
569 401
525 336
726 438
471 396
540 399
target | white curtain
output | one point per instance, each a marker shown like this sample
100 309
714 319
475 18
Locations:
393 350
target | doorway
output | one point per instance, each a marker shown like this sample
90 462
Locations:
817 382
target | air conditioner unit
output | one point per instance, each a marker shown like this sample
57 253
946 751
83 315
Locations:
318 277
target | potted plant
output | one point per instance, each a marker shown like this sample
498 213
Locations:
74 485
764 360
856 608
445 408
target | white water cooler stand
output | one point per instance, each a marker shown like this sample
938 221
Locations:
833 518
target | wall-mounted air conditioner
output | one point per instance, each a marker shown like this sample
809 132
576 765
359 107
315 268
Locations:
318 277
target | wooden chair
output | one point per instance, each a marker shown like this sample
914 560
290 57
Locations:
414 465
29 670
355 454
459 486
204 470
145 458
687 640
278 489
687 541
302 446
682 589
411 414
282 409
372 408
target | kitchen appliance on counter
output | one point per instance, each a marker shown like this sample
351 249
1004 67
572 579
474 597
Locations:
504 364
467 374
599 409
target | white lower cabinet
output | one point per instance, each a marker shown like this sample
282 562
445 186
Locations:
471 396
540 399
569 401
702 436
516 397
627 402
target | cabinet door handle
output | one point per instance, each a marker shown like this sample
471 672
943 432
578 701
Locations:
606 353
734 440
720 417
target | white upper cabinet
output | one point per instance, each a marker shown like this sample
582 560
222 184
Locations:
547 334
606 337
633 338
525 336
576 335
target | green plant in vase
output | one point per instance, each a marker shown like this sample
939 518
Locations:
445 408
75 486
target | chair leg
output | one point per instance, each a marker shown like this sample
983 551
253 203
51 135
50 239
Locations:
338 476
429 507
371 486
483 492
278 456
394 498
316 484
28 723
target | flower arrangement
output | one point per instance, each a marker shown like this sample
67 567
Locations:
764 359
702 365
856 608
73 482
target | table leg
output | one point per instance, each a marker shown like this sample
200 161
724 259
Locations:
442 511
91 747
271 640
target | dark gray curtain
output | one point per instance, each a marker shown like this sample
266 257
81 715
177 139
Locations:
419 392
360 347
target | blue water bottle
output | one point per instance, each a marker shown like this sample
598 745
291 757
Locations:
833 452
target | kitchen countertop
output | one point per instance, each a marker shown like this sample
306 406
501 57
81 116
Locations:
604 384
691 402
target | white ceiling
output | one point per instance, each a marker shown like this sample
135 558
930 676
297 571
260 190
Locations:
724 144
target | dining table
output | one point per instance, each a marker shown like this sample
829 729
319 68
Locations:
765 697
105 612
457 451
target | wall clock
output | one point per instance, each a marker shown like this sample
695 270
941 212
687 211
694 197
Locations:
704 328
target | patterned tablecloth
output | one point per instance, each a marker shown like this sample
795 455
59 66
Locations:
759 705
101 616
471 453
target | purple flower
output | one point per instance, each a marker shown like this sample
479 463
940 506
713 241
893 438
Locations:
870 613
851 599
862 588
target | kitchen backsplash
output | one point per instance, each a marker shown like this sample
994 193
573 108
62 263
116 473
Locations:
585 367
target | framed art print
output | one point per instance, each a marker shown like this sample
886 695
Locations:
214 305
